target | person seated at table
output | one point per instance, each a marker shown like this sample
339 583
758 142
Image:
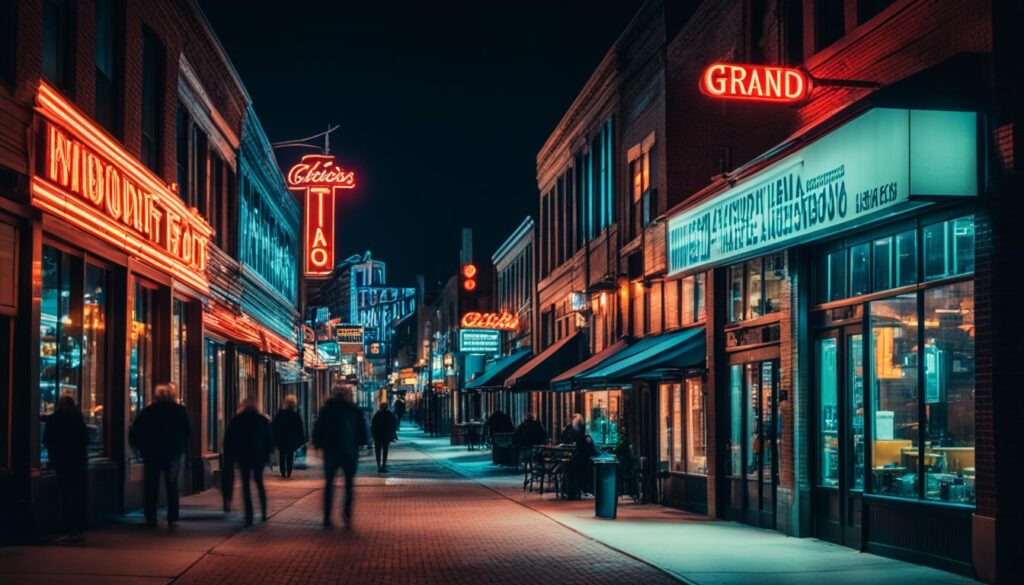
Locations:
582 463
529 433
573 432
498 422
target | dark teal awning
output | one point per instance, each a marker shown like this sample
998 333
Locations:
496 371
536 373
649 358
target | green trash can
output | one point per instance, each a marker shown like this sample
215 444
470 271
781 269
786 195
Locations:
606 487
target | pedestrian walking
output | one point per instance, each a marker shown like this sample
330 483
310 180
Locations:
161 432
399 412
384 428
249 442
339 432
289 434
66 439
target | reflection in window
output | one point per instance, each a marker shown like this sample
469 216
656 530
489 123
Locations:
140 353
736 292
214 394
828 412
949 248
735 419
906 258
602 413
179 346
60 357
696 431
677 424
665 410
949 393
753 288
894 396
750 407
698 294
94 355
774 275
860 271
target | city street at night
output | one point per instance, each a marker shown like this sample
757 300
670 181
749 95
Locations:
716 292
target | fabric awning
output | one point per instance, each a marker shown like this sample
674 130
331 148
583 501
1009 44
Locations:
536 373
496 371
565 381
650 356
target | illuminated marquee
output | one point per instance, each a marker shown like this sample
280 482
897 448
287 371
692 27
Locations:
502 321
755 83
88 179
319 176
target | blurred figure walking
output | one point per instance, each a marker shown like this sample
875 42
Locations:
339 432
289 434
384 428
399 412
66 439
249 443
161 432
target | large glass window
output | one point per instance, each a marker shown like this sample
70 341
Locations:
860 269
603 415
949 248
214 394
949 393
755 287
735 292
73 341
735 420
895 455
665 411
696 429
140 353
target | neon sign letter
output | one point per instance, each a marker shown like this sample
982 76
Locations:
319 177
502 321
757 83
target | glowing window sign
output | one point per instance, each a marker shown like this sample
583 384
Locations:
755 83
479 341
89 180
319 176
502 321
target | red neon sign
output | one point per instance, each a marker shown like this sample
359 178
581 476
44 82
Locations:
758 83
87 179
319 176
502 321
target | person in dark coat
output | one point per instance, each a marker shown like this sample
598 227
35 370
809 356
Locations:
529 433
66 439
399 411
575 431
498 422
339 431
249 443
162 433
289 434
384 428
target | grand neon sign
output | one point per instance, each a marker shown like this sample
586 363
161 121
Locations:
758 83
502 321
87 179
319 177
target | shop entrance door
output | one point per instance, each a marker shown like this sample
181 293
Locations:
839 381
755 429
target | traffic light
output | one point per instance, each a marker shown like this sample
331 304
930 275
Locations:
469 273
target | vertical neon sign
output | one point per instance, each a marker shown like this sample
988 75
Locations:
319 177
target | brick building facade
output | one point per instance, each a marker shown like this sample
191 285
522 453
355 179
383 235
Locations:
124 132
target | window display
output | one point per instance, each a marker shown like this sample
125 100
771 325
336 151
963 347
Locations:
696 429
603 415
140 355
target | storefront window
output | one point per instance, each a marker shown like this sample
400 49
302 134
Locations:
906 258
73 341
94 355
881 257
214 394
248 382
696 431
735 292
603 415
179 346
855 387
828 414
895 455
698 294
665 410
750 408
949 248
677 424
754 285
774 275
735 420
949 393
860 269
140 355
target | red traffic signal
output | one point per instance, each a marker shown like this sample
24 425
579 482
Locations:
468 277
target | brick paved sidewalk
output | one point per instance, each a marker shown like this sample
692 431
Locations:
420 523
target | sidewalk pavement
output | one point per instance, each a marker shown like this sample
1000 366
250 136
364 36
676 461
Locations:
692 547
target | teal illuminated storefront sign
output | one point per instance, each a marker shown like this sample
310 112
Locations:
479 340
872 165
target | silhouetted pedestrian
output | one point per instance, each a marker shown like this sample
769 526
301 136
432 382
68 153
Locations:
399 411
384 428
529 433
161 432
66 439
498 422
339 432
249 443
289 434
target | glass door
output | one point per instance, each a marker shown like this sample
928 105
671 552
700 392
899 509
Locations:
839 378
752 450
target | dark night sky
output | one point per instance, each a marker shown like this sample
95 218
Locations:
443 106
